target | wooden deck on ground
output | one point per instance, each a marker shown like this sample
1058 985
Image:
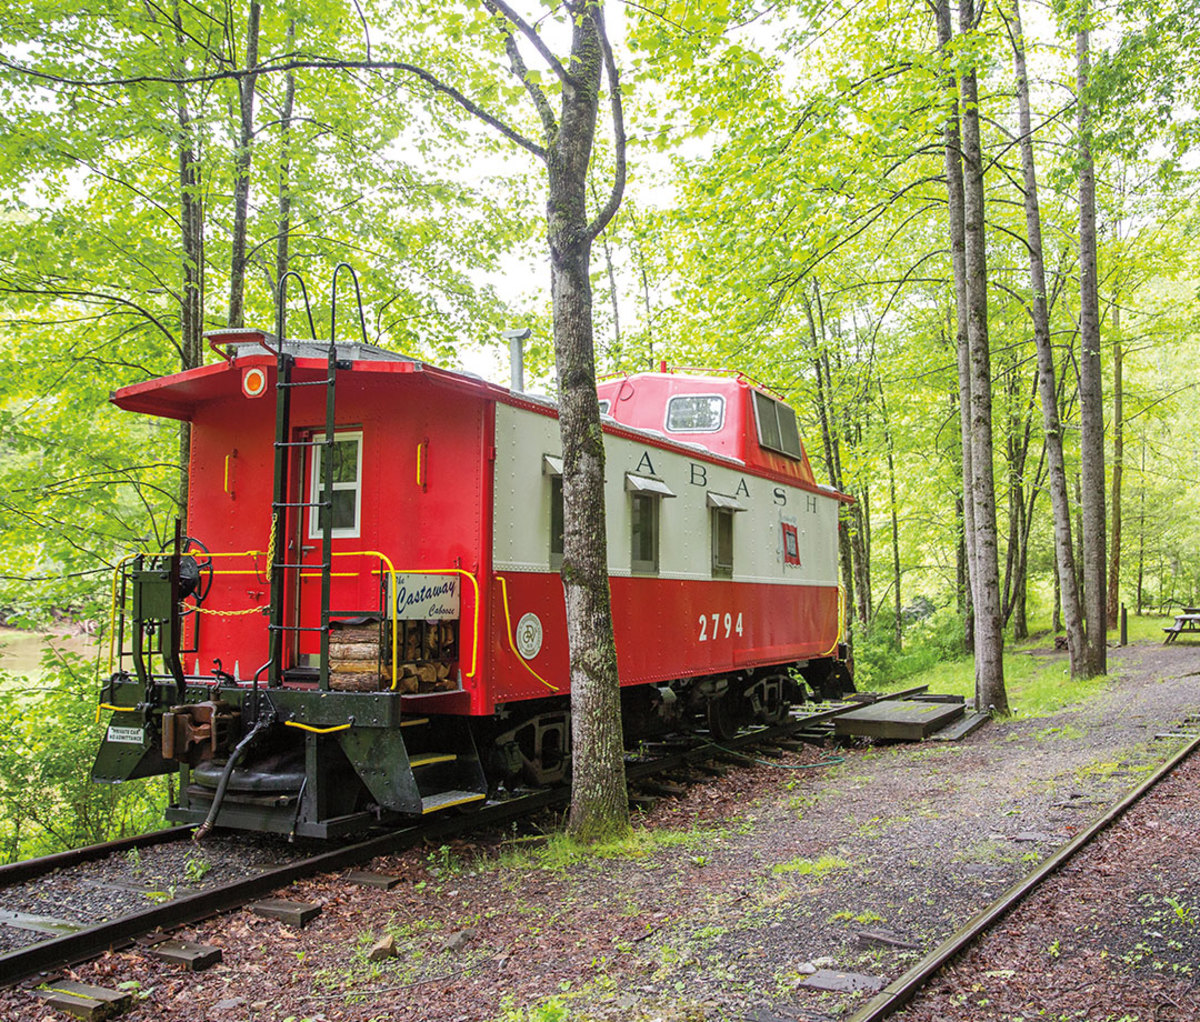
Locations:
908 720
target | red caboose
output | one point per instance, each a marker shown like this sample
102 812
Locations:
373 620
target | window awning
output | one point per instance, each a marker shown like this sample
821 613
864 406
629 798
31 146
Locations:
644 484
551 465
725 503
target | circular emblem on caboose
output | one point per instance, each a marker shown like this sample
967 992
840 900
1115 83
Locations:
529 636
254 382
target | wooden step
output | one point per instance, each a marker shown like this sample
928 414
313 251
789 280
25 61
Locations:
960 729
449 799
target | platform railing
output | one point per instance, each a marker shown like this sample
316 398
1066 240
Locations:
117 654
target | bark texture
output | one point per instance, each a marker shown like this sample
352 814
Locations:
955 215
283 227
990 693
599 804
191 298
1091 388
1114 513
1064 552
241 166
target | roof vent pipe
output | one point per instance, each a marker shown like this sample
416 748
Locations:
516 356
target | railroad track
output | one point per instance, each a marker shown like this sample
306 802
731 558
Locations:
56 952
893 997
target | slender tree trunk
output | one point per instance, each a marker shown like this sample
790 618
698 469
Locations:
891 464
829 442
989 642
1141 534
1091 390
241 166
956 215
1064 554
191 311
1114 564
283 228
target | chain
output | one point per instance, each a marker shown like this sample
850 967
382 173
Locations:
270 566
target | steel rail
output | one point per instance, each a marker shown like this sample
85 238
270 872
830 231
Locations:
57 952
29 869
900 991
28 961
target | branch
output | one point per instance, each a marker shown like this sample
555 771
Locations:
530 33
521 73
618 117
298 64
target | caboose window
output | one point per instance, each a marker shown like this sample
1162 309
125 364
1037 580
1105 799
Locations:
644 533
777 429
722 508
695 413
722 542
552 467
346 455
557 520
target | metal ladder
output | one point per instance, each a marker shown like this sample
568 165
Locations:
281 506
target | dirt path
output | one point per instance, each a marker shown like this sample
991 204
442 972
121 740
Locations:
740 890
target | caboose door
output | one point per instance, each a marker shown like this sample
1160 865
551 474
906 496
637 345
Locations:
353 582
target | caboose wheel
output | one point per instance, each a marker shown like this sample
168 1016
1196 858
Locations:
724 720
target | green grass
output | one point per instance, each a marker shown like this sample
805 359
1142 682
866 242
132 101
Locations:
559 851
1037 685
815 868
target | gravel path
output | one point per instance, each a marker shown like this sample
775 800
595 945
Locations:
738 891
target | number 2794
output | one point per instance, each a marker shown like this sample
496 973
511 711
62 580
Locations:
719 626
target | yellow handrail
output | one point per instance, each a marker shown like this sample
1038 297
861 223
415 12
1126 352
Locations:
430 571
383 558
841 621
508 635
316 730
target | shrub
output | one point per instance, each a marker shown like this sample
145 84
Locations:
48 801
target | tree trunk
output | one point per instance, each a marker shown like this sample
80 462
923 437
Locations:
283 229
599 802
1067 592
1141 572
241 167
829 441
191 218
1114 563
989 643
955 216
897 601
1091 390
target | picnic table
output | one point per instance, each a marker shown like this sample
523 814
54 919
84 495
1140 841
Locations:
1186 621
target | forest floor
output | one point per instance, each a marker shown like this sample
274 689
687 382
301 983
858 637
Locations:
730 896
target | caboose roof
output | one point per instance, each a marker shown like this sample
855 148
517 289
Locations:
180 395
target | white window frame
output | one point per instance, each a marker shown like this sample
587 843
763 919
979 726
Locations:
681 397
315 488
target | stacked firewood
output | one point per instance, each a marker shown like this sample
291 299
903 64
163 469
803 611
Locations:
425 657
354 658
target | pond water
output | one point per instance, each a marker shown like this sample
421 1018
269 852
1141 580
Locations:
21 652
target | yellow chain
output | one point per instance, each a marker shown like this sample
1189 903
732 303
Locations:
271 546
270 565
228 613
